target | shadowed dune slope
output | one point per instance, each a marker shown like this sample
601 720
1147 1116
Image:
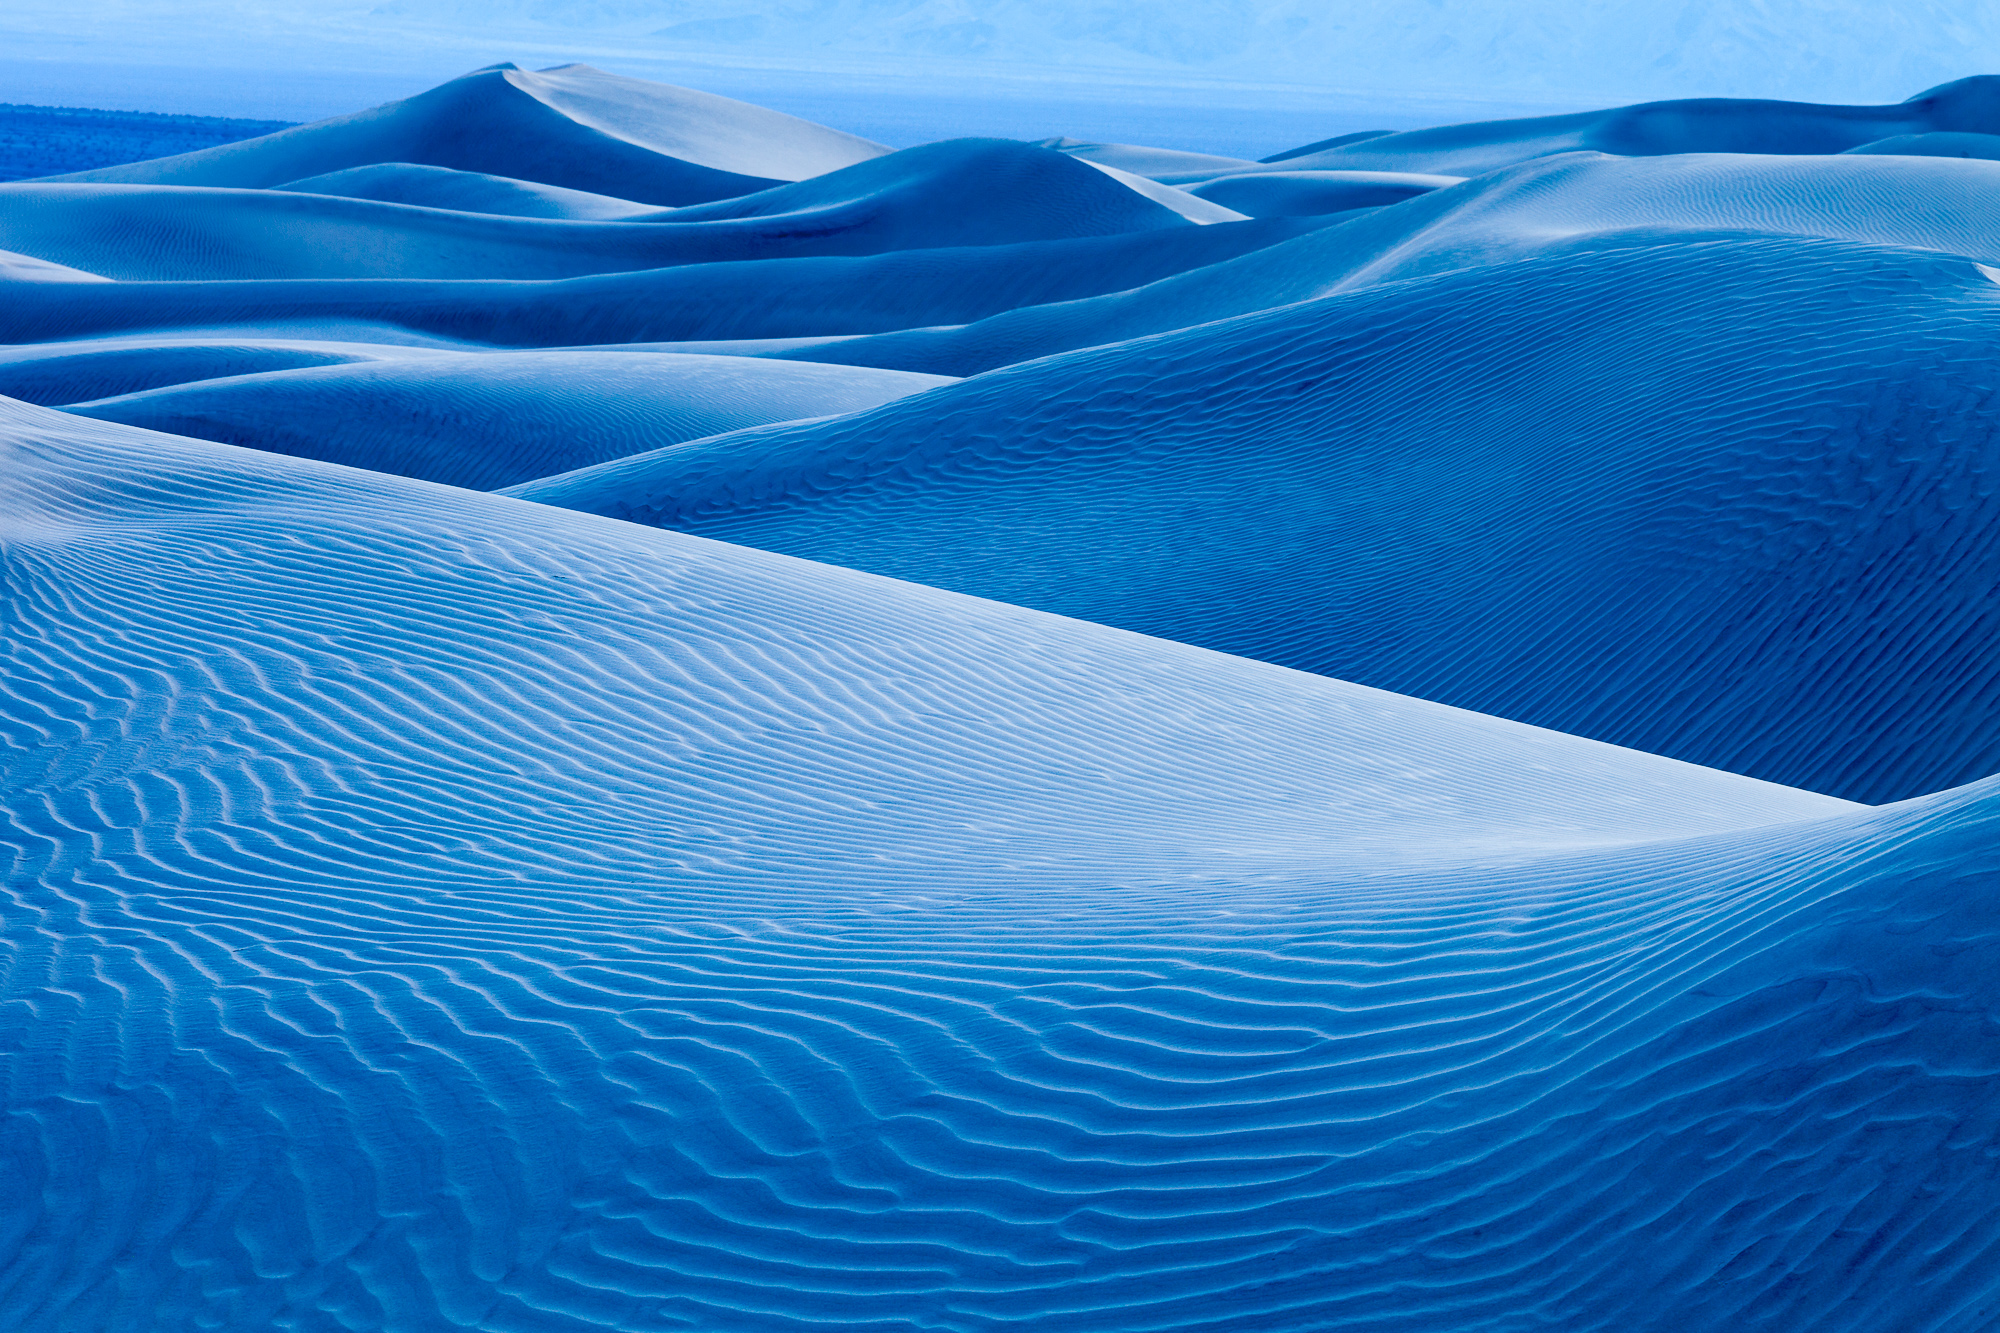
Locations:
1938 144
55 373
572 126
607 928
750 299
1019 191
1266 194
1580 200
963 192
1728 501
465 192
1320 145
491 419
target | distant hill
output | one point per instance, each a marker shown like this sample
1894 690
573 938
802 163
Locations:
50 140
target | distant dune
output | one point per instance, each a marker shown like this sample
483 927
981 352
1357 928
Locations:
573 127
966 192
1570 201
628 713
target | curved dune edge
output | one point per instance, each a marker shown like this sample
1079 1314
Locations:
487 420
965 192
464 192
1770 448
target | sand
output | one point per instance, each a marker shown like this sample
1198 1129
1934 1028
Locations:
627 713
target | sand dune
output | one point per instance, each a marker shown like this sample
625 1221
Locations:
26 268
1655 129
966 192
1304 193
628 927
1167 165
1570 202
1020 192
711 885
492 420
1614 493
574 127
55 373
466 192
1940 143
746 299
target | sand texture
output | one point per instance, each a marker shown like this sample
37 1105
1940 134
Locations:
624 713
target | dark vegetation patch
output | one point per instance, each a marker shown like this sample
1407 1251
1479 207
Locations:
51 140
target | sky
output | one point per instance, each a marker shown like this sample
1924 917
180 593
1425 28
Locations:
1015 66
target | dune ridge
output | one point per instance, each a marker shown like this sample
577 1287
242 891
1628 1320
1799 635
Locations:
1659 129
572 126
1571 201
533 413
966 192
465 192
623 713
807 297
1340 486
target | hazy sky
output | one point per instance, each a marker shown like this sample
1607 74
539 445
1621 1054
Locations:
303 57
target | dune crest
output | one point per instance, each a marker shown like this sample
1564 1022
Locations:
490 420
573 126
1337 486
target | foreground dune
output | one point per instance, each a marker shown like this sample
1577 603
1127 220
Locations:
993 887
623 927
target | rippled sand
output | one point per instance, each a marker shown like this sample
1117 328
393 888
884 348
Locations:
625 713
